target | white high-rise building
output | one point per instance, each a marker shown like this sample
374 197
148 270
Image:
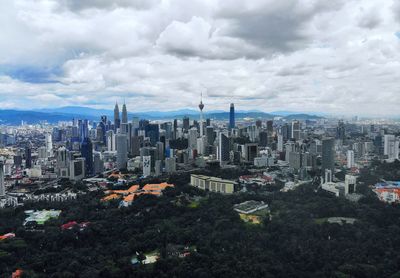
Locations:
111 146
350 159
201 145
192 138
391 147
296 130
49 144
146 165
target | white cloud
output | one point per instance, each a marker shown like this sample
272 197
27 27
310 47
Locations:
268 55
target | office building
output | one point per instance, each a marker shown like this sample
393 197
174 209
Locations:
350 159
122 150
212 184
350 184
223 149
77 169
146 166
232 116
295 130
391 147
2 185
170 165
87 153
328 155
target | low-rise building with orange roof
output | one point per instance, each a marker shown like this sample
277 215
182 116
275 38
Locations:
157 187
111 197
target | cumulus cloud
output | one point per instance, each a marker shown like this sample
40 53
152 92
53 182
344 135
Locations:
331 56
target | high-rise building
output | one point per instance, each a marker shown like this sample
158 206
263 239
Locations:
328 155
223 149
111 145
117 120
49 144
263 138
186 124
124 120
146 165
232 116
295 130
341 131
77 169
280 143
250 152
210 135
28 157
170 165
122 150
270 127
87 153
391 147
98 165
192 138
152 131
350 184
350 159
2 185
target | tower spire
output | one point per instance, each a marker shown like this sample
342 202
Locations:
201 107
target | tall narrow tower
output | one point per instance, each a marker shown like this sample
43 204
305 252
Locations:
232 116
116 117
201 106
124 120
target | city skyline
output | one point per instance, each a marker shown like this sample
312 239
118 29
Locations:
159 55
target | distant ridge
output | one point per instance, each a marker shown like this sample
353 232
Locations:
14 117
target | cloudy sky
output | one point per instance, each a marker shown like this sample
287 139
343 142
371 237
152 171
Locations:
340 57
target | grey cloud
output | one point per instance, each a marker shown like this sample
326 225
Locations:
280 26
79 5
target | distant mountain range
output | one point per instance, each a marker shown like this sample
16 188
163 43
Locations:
14 117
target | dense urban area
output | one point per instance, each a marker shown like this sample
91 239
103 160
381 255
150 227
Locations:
288 196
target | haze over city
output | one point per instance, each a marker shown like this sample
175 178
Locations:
302 56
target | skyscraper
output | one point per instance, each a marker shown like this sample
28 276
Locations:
350 159
49 144
28 157
328 156
295 130
341 131
117 121
391 147
186 124
122 150
223 149
87 153
153 132
232 116
2 185
124 120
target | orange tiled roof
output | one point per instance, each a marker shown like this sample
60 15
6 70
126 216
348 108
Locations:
131 197
134 188
111 197
157 187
